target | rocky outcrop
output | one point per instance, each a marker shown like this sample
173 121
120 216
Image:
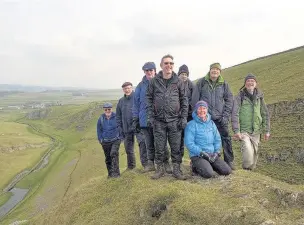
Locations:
22 147
287 108
38 114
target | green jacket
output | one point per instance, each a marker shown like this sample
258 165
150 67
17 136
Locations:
250 117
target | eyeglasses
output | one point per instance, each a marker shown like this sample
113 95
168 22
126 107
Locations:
107 109
167 63
149 70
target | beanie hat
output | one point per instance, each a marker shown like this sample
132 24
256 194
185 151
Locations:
107 105
183 69
149 66
250 76
216 65
201 103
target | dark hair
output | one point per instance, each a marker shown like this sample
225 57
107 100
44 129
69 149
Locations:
166 56
125 84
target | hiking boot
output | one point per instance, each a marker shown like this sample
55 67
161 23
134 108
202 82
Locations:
159 172
168 167
149 167
231 165
177 172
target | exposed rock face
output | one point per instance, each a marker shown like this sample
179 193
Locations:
287 108
38 114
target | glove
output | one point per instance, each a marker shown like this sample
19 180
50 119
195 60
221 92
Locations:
150 123
205 155
121 133
213 158
182 123
135 125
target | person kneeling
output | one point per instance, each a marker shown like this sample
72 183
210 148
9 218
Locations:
203 142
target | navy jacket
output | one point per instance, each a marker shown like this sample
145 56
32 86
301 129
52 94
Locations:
140 102
107 130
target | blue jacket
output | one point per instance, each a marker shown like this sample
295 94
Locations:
139 104
107 130
202 136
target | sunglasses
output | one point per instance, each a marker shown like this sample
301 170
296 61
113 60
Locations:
107 109
149 70
167 63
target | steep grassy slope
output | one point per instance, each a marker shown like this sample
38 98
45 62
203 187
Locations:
281 76
74 189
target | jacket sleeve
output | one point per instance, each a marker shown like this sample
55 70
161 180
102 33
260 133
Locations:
228 98
119 114
265 117
99 129
183 100
217 143
149 99
196 92
136 102
235 121
192 90
190 139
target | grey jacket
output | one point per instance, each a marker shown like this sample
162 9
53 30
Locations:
219 97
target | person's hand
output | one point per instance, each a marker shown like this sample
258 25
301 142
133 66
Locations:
182 123
100 141
150 122
213 157
204 155
224 121
238 136
135 125
121 133
266 136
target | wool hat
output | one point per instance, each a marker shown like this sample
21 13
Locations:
250 76
216 65
126 84
149 66
201 103
107 105
183 69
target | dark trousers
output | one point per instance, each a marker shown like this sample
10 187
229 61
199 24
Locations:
182 148
111 151
149 141
164 132
206 169
226 141
129 147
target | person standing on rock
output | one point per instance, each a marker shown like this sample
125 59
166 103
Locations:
139 112
167 108
214 90
124 120
183 74
110 138
250 119
203 142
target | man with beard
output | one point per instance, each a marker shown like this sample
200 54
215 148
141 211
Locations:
167 108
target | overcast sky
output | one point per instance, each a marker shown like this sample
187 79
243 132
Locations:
101 44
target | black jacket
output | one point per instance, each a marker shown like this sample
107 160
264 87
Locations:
124 116
166 103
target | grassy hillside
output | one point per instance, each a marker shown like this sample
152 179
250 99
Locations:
281 76
73 188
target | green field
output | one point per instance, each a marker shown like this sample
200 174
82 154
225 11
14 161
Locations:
74 189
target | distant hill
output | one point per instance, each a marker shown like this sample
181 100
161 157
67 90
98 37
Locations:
33 88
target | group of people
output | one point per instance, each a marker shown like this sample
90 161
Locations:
168 108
